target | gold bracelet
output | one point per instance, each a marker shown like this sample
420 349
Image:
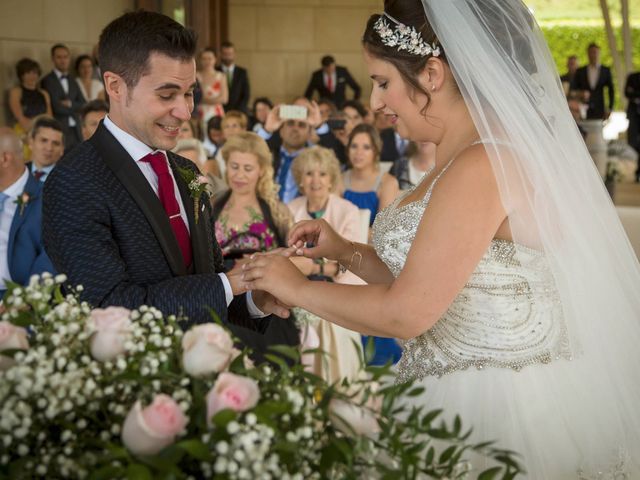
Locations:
356 253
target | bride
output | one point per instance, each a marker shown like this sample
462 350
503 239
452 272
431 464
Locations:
506 270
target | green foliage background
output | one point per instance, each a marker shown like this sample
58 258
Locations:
569 26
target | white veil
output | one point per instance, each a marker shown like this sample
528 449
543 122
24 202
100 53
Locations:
553 193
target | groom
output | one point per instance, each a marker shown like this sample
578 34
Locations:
119 214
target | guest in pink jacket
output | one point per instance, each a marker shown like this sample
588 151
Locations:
317 173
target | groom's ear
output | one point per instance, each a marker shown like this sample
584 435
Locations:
115 87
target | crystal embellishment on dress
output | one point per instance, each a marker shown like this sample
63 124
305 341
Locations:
508 315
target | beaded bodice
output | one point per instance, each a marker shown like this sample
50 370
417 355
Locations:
508 314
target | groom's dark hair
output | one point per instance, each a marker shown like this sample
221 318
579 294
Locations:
127 43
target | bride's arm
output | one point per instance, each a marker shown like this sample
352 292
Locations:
462 218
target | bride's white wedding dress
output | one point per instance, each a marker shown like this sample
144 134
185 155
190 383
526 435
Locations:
500 357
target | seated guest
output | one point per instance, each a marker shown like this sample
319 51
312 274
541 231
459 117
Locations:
261 108
213 137
233 122
366 186
393 145
26 100
91 88
410 169
249 217
46 142
327 108
189 129
90 115
317 171
21 250
353 114
287 137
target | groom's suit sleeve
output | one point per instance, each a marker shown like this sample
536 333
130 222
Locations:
83 241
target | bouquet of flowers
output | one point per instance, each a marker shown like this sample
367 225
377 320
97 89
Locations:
113 393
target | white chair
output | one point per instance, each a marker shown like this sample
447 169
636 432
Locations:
365 216
630 217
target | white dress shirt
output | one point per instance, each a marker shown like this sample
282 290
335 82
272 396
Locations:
138 150
6 219
334 80
65 86
45 171
593 74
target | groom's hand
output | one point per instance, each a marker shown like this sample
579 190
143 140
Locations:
268 304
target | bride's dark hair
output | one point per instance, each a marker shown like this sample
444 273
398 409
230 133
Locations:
410 13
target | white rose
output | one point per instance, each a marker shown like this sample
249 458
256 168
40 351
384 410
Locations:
350 418
11 337
206 349
112 330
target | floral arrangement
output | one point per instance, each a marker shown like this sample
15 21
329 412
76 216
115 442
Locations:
113 393
254 235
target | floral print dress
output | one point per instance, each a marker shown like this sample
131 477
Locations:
254 236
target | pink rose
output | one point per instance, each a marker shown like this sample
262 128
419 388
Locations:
112 329
309 340
206 349
234 392
202 180
258 228
350 418
11 337
148 430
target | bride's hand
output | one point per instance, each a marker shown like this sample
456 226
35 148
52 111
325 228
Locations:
274 274
322 240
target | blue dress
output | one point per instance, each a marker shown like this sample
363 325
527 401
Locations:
386 349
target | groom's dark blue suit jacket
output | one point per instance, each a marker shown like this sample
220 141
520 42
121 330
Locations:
105 228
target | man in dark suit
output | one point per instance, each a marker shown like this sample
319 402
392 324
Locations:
121 216
21 251
591 80
632 92
237 79
66 98
393 145
331 82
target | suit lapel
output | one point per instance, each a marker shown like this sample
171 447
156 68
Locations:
32 188
197 230
124 168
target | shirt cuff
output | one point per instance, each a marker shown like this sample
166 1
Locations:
228 292
323 129
254 312
264 134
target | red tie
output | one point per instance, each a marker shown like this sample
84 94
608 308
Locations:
330 83
168 199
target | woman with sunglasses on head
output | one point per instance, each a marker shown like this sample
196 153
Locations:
511 317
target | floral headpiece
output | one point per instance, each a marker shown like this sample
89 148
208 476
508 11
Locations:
403 37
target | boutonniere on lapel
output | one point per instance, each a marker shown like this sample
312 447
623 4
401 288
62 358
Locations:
198 185
23 200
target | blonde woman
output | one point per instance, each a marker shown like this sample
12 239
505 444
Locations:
249 217
317 172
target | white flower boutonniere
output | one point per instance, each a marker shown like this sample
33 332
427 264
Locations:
198 185
23 200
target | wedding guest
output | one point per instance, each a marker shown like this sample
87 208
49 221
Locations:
249 217
233 123
317 171
22 253
567 78
331 82
592 79
366 186
632 92
90 87
189 129
46 141
261 108
66 98
91 114
213 137
237 79
393 145
410 169
26 100
327 108
215 91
